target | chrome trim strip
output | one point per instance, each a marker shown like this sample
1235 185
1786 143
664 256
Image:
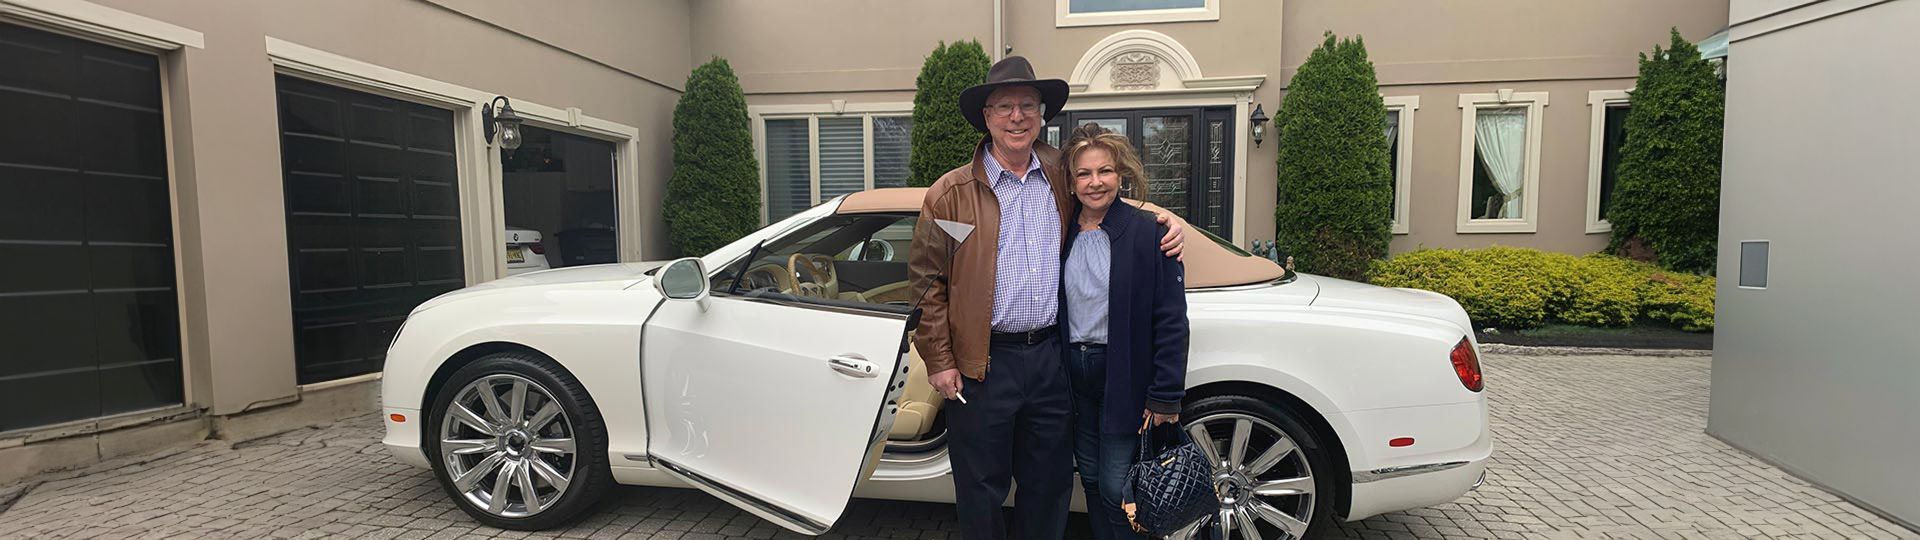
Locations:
1482 480
1284 279
799 522
1362 477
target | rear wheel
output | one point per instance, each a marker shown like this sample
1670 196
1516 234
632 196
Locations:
517 444
1273 477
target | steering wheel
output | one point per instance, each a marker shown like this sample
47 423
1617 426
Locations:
813 276
768 274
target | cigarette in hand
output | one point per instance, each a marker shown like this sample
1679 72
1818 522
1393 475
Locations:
961 397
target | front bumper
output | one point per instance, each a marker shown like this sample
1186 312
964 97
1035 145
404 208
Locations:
403 438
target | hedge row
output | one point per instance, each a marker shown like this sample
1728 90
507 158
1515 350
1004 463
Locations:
1525 288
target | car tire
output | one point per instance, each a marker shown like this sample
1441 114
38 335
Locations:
1251 498
564 485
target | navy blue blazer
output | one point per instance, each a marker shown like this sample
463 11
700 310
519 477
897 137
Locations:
1146 319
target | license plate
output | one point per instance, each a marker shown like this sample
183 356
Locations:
516 254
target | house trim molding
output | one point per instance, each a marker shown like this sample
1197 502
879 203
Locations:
1063 15
96 21
1470 104
1403 177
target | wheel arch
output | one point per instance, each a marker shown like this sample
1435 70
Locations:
469 355
1337 451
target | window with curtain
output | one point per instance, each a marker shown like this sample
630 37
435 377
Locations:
891 135
1500 167
1393 159
832 155
789 168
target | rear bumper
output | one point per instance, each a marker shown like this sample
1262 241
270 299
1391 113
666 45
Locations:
403 438
1439 484
1446 456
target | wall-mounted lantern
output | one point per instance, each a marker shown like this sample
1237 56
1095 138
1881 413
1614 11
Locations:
1257 124
505 122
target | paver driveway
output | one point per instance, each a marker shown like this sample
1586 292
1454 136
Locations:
1587 446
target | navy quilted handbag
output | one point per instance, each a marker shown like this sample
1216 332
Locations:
1168 489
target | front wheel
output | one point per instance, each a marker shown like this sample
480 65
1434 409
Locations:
517 444
1265 465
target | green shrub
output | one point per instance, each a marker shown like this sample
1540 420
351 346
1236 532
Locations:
1668 195
1335 207
714 194
942 139
1525 288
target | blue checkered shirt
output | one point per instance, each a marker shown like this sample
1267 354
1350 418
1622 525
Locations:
1026 279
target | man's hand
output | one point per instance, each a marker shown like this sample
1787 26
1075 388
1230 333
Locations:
1176 238
946 382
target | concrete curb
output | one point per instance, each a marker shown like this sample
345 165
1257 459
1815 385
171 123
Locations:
1519 350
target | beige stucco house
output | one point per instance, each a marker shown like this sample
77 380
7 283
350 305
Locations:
231 206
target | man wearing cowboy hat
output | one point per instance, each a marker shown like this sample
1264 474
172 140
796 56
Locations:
991 310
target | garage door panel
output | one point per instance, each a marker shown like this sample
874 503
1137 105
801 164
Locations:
381 231
39 204
120 140
376 161
124 326
382 196
131 266
121 77
44 332
426 131
322 270
128 209
50 398
376 124
309 114
309 154
39 130
318 192
54 267
86 230
140 386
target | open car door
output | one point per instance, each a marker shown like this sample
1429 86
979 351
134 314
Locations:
774 403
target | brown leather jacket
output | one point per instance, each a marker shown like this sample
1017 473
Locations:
956 316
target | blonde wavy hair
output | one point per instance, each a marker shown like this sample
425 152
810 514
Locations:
1133 180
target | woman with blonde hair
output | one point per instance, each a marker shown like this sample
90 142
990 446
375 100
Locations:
1126 321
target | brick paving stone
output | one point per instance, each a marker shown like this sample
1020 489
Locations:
1585 447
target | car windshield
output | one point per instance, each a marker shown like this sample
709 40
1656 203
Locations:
857 260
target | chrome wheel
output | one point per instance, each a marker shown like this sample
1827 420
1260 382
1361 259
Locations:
508 446
1263 478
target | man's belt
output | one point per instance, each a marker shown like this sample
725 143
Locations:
1029 337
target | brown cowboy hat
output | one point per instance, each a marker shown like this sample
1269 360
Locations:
1011 71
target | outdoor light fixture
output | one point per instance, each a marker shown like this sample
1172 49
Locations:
1257 123
505 122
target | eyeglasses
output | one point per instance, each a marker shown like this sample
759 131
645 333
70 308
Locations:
1004 110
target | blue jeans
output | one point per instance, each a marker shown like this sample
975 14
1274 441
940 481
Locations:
1102 458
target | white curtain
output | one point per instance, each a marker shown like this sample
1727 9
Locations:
1501 137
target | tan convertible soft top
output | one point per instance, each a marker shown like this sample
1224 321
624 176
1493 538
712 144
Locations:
1208 264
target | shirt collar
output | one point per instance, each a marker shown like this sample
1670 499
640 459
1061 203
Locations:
994 168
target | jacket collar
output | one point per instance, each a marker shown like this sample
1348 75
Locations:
1117 222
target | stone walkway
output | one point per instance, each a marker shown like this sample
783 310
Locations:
1586 447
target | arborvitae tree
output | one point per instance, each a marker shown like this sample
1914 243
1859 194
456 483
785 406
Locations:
714 195
1667 198
942 139
1335 209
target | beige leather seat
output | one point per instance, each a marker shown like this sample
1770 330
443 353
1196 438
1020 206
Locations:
918 404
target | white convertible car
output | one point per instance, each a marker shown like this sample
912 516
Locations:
776 374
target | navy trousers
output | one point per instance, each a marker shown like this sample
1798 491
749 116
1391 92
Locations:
1015 428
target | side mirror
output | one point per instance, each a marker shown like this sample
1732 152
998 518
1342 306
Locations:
684 279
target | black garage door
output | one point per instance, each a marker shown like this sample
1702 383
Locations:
373 220
89 318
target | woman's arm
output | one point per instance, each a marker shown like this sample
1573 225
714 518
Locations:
1169 384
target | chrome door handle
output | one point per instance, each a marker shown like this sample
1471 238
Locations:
855 365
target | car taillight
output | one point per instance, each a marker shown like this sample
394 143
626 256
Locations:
1466 364
537 248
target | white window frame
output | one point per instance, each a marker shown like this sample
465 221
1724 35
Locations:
1403 176
866 112
1063 15
1598 101
1470 105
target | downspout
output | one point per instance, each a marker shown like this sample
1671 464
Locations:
999 39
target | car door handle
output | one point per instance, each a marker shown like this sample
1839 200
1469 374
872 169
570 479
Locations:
853 364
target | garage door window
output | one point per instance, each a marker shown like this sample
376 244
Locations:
373 220
89 314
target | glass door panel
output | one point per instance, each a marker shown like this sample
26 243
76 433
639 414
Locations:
1166 144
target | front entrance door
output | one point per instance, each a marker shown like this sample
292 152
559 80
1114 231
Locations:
1187 153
